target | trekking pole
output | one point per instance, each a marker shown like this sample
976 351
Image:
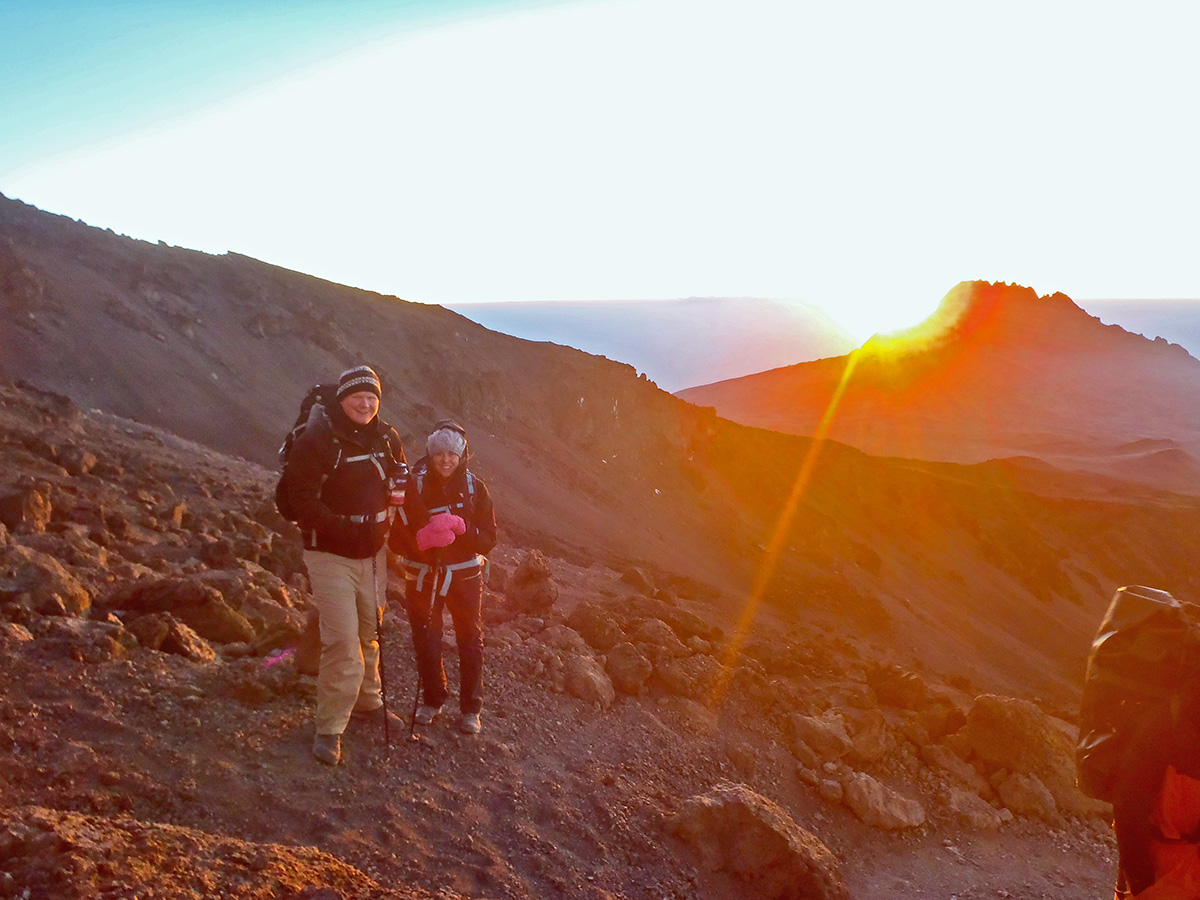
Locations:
387 731
412 720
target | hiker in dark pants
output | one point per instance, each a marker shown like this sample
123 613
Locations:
337 480
444 527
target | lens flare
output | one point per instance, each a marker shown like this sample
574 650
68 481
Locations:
775 546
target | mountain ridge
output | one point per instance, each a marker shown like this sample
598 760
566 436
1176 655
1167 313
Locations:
996 371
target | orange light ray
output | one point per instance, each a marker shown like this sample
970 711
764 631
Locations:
775 547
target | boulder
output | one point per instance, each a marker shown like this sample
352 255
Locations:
42 580
25 509
14 633
870 738
86 640
696 676
531 588
1013 734
219 554
151 629
584 677
199 605
735 830
969 810
628 668
76 460
596 625
825 735
661 638
879 806
1025 795
184 642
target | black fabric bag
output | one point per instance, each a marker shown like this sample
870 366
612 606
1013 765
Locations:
318 395
1143 668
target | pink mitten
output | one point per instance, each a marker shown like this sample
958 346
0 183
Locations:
450 522
432 535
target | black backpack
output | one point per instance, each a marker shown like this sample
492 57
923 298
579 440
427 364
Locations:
318 395
1143 668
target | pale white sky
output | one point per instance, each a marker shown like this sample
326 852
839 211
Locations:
859 156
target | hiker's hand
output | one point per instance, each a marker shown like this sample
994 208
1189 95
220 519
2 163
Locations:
434 535
456 523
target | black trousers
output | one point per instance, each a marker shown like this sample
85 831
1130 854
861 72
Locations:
464 599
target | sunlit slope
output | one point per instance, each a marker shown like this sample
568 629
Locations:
997 371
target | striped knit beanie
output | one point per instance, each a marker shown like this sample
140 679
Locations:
360 378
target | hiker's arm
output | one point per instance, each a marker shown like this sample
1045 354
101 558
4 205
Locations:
306 472
481 529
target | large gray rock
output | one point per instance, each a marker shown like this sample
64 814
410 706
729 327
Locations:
584 677
197 604
697 676
1025 795
970 810
596 625
628 668
1013 734
737 831
25 509
41 582
880 806
531 588
825 734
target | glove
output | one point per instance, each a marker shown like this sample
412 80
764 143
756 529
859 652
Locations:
433 535
450 522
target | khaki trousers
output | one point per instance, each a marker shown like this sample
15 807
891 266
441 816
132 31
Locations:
346 600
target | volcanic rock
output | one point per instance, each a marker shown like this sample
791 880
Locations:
735 830
531 588
880 806
628 668
25 510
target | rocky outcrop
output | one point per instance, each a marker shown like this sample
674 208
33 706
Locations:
531 588
732 829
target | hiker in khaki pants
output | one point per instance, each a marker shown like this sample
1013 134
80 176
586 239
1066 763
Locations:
337 482
345 597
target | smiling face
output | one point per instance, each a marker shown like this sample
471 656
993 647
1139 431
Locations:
360 407
444 462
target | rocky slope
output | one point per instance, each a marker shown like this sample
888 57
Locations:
995 573
154 729
997 371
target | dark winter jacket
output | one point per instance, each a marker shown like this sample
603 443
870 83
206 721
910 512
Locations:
336 481
427 494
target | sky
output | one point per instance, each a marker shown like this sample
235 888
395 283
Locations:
861 156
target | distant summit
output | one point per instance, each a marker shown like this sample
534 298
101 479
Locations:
995 371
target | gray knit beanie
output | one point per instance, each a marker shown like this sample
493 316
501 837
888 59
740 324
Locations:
447 437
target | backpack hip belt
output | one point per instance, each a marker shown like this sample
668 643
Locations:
442 575
378 517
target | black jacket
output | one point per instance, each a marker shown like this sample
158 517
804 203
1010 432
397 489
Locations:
336 481
426 494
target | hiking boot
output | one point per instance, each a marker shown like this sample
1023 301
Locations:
470 724
426 714
375 717
327 748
